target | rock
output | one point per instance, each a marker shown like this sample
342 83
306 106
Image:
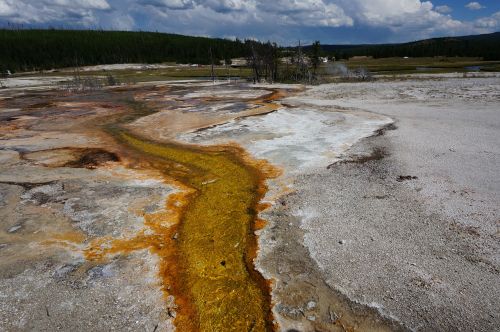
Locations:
333 315
342 242
311 305
65 270
14 228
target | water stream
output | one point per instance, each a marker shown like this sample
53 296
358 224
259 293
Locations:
205 239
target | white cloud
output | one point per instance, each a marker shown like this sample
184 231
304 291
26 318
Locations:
491 23
444 9
122 23
409 19
306 13
169 4
6 9
83 4
226 6
474 5
64 12
284 21
386 12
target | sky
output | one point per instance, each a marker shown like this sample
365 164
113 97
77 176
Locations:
282 21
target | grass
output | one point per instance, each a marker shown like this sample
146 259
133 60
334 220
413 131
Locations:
149 75
179 73
391 66
435 65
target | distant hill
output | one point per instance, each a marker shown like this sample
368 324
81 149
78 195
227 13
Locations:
26 50
486 46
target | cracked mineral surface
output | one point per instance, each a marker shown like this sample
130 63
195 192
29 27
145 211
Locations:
200 206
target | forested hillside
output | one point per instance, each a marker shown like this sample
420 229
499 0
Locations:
25 50
486 46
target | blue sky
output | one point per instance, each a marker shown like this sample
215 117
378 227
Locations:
283 21
462 12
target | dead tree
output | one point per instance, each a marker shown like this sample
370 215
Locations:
302 72
315 57
227 64
212 71
271 61
254 61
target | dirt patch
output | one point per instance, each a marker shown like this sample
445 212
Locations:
403 178
377 154
10 118
27 185
382 130
40 105
92 158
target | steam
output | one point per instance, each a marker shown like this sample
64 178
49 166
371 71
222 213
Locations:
337 69
341 70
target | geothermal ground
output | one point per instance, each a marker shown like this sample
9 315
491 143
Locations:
196 206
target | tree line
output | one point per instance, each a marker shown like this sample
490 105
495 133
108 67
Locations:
31 50
485 46
35 50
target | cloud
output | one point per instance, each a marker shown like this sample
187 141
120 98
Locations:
79 13
491 23
386 12
169 4
474 6
444 9
284 21
6 9
404 19
307 13
227 6
83 4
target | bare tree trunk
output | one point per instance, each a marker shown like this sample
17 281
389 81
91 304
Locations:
212 64
255 64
